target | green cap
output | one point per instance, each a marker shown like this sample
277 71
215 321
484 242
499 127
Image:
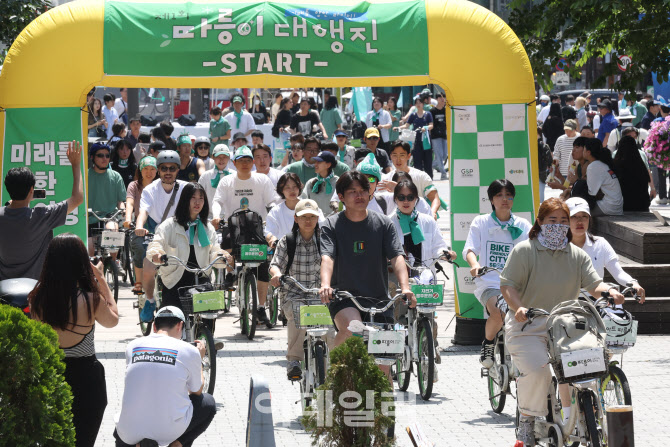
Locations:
183 139
243 151
369 166
220 149
148 161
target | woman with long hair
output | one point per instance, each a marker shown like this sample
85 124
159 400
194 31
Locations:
553 125
97 125
541 272
188 236
604 191
158 134
146 173
396 115
283 120
71 296
633 175
123 161
330 116
258 110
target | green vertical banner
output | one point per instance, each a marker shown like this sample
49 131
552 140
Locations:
215 39
37 138
487 142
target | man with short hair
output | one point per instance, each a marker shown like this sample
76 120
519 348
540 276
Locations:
25 232
607 121
121 105
249 190
257 138
111 115
371 139
340 168
544 113
568 110
354 241
239 119
307 121
163 398
133 136
263 162
587 131
653 108
305 168
219 128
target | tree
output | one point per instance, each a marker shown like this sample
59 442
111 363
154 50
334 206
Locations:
594 28
16 15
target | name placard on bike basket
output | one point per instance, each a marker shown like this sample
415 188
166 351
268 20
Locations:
317 315
252 252
620 334
204 301
111 238
583 361
428 294
386 342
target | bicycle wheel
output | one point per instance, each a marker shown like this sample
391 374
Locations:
145 328
111 271
594 429
426 363
250 297
305 387
203 333
497 378
127 261
320 361
615 388
227 302
274 308
402 376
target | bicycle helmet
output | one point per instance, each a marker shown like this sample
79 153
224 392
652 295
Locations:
96 147
168 157
200 140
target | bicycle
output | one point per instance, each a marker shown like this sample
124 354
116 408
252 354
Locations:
199 303
126 256
310 314
274 301
420 344
251 256
145 327
106 243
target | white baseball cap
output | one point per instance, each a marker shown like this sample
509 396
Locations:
170 311
578 205
306 206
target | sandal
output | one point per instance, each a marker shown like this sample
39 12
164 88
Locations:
137 288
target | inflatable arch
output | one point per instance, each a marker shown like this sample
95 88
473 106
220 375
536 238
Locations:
467 50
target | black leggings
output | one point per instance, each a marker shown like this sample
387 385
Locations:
204 409
86 377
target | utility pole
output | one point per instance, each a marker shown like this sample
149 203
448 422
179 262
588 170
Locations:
133 102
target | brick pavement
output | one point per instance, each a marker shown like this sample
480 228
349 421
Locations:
458 414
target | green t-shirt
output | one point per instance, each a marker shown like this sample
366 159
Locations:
217 129
395 122
340 169
302 170
105 191
330 120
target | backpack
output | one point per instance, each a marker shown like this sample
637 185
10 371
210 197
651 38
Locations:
358 130
292 243
576 326
245 227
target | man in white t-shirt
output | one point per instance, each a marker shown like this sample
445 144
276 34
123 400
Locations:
246 190
163 399
111 115
239 119
210 179
121 106
263 162
154 202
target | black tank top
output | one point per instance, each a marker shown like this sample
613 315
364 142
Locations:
190 174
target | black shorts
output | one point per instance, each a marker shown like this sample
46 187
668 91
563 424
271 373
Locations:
263 273
387 317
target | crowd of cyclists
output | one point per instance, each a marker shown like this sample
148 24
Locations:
336 218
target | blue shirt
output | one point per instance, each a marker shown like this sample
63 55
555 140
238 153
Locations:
607 124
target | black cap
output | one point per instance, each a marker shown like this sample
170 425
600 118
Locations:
326 156
360 154
651 103
605 104
157 146
239 136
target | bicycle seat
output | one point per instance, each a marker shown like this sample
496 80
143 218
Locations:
15 292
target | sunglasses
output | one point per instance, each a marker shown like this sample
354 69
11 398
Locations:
373 138
102 155
202 146
372 178
169 168
406 198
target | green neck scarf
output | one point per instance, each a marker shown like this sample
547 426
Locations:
215 181
513 229
203 240
342 153
408 224
376 114
123 163
239 117
321 180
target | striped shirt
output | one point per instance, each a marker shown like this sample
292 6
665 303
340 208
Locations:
562 152
306 266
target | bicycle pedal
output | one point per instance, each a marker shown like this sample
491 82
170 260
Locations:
136 306
484 372
295 378
218 345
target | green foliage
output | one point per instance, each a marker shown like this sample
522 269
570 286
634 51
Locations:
35 400
637 28
352 369
16 15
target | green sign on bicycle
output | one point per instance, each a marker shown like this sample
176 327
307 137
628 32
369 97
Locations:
317 315
428 294
252 252
206 301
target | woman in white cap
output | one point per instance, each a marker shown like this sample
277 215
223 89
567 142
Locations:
599 250
211 178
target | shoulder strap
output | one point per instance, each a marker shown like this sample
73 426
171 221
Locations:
170 203
291 244
382 204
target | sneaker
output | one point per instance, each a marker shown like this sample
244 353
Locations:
525 433
262 316
147 313
218 346
662 201
486 356
293 370
444 177
434 375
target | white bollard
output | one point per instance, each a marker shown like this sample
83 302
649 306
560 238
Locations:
260 427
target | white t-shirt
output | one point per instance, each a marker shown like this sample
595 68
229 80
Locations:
604 257
600 177
596 123
246 123
111 116
255 194
384 118
206 182
616 133
423 182
274 175
544 113
120 105
154 199
492 245
160 373
563 152
279 221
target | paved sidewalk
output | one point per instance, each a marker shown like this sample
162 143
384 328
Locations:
458 414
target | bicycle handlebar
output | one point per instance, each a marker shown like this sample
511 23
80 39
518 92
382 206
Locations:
105 219
628 291
196 271
284 279
484 270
